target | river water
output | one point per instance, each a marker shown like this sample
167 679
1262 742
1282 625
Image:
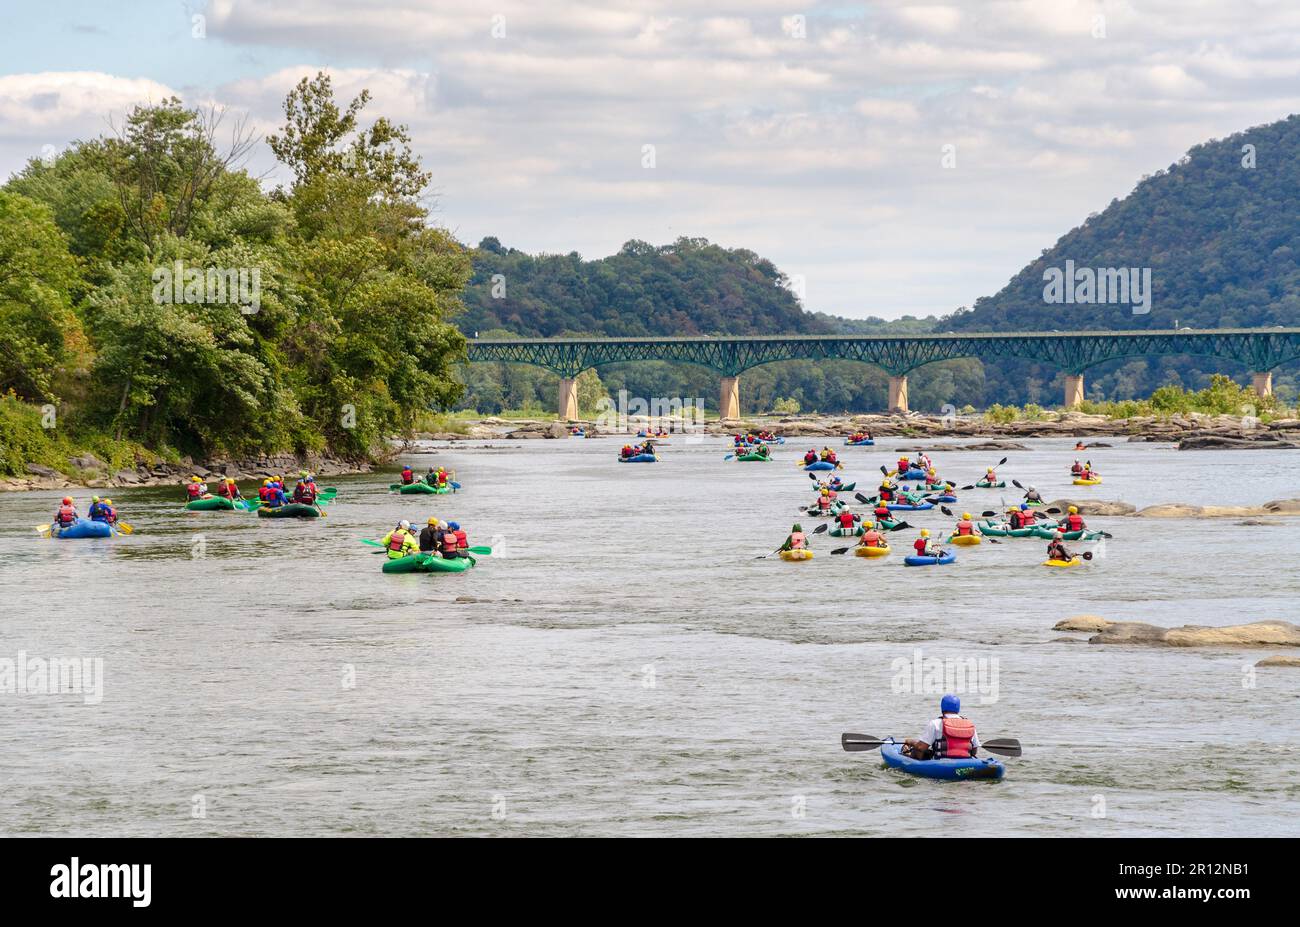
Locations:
624 665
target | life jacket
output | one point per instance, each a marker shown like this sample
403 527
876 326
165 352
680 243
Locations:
225 491
194 489
797 540
66 515
397 541
1076 468
904 465
872 538
263 493
449 542
965 527
1017 520
957 735
407 476
1075 522
824 502
846 519
810 457
110 515
886 495
442 478
920 544
1056 551
462 539
990 477
304 493
881 512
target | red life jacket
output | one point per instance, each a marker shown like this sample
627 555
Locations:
920 544
462 539
797 539
824 502
810 457
66 515
904 465
194 489
449 542
881 512
886 495
407 476
957 735
871 538
1075 522
264 493
965 527
225 491
1077 468
397 541
846 519
1019 520
304 493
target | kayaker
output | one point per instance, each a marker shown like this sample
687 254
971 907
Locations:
275 496
847 520
949 736
880 512
990 475
1072 521
97 510
835 484
824 501
462 539
811 457
110 513
886 491
448 543
304 493
873 537
925 547
430 535
196 489
1017 519
400 542
796 539
408 475
1056 549
1076 468
66 513
904 464
1088 472
965 527
1032 496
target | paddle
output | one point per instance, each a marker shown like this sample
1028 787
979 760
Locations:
125 528
857 743
822 527
42 529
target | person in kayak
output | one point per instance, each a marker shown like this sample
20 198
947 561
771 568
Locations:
408 475
1033 497
948 737
275 496
847 520
796 539
965 527
1076 468
904 464
1072 521
1081 446
304 493
196 489
880 513
400 542
811 457
824 502
873 537
110 513
925 547
1056 549
462 539
97 510
1017 517
990 475
430 536
886 491
66 513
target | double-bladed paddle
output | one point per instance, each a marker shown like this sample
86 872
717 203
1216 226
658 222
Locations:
857 743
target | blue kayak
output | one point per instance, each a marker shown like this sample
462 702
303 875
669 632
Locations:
903 507
869 442
973 768
819 465
948 557
913 474
84 528
639 458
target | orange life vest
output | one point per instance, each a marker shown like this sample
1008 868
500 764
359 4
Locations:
965 527
397 541
449 542
66 515
1075 522
797 539
871 538
957 735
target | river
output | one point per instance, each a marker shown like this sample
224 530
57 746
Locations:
624 665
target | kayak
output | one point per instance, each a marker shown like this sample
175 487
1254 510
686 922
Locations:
866 442
913 474
886 525
1034 502
747 457
990 530
639 458
855 532
964 540
900 507
843 487
1063 563
819 465
1092 482
425 563
210 504
973 768
290 510
1081 535
817 512
761 441
863 551
913 560
984 484
83 528
793 556
422 489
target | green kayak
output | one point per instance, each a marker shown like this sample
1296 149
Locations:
995 531
748 457
855 532
291 510
423 489
210 504
1000 484
426 563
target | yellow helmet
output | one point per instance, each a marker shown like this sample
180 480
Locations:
826 492
108 501
195 479
966 515
1074 510
925 532
434 522
266 482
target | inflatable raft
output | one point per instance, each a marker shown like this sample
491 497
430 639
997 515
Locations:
83 528
914 560
426 563
794 556
863 551
957 770
291 510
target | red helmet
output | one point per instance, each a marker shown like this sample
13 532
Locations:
67 500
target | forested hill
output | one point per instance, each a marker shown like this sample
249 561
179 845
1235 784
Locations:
1221 237
690 287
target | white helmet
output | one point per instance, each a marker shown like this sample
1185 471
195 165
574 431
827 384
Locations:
404 524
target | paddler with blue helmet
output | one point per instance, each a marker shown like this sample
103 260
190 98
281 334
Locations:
949 736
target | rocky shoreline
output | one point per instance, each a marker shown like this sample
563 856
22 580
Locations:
1188 432
88 472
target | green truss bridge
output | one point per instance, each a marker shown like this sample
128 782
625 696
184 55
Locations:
1259 349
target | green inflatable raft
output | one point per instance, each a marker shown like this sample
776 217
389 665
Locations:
994 531
422 489
748 457
292 510
426 563
1000 484
855 532
215 504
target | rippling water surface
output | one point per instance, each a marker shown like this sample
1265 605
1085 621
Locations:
625 665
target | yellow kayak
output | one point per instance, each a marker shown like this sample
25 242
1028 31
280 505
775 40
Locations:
964 540
1092 482
1063 563
863 551
802 554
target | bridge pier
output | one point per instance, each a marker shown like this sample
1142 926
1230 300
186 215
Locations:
898 394
729 398
1073 390
567 404
1262 383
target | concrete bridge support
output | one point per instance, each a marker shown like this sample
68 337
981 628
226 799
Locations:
729 398
898 394
1263 383
1073 390
567 405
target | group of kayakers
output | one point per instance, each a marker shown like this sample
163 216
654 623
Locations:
859 436
438 477
753 437
633 450
100 510
825 455
1083 471
446 539
922 463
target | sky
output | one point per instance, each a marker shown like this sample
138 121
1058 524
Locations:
890 157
